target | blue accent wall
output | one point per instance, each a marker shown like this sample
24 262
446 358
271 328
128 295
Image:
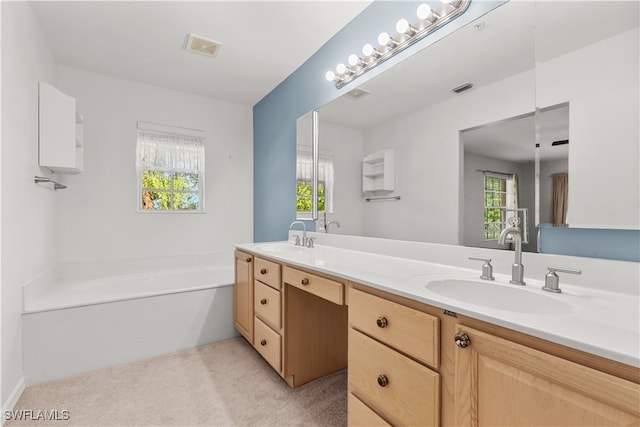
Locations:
590 242
274 117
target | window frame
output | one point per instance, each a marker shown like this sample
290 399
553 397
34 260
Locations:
501 208
304 155
172 191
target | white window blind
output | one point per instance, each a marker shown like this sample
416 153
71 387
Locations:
171 165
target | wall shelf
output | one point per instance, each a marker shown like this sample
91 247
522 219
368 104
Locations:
378 171
60 131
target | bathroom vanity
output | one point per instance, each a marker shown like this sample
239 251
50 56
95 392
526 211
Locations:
416 356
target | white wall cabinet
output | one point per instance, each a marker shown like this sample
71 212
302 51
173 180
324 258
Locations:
60 131
378 171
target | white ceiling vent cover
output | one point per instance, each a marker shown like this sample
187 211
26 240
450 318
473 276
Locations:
202 45
357 93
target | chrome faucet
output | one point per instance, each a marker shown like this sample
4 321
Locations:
304 233
517 269
326 226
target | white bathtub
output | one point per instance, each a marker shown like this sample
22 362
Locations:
97 315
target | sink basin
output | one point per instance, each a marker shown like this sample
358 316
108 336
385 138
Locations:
503 297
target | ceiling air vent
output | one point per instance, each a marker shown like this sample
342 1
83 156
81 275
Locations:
202 45
357 93
462 88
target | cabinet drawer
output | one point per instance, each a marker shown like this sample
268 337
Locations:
410 331
322 287
268 343
267 272
359 414
398 388
267 303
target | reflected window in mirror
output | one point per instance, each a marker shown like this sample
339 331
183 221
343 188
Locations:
304 184
500 195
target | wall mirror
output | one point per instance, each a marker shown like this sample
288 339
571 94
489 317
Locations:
526 87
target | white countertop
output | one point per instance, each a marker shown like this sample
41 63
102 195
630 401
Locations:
601 322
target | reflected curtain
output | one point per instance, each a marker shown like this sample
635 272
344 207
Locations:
559 198
515 192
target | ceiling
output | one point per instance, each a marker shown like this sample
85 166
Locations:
508 41
263 41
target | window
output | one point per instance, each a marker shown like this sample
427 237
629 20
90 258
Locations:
170 169
500 197
304 183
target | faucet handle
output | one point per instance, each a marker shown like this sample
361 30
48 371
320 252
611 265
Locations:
309 242
552 281
487 268
297 243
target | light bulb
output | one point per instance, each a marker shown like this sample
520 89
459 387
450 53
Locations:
368 50
341 69
384 39
330 76
424 12
403 26
354 60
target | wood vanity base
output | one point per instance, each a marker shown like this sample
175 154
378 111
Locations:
414 364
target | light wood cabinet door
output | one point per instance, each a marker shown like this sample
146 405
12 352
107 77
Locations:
396 387
268 272
359 414
319 286
411 331
243 295
267 304
500 383
269 344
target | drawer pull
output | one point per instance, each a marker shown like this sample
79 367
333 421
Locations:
382 322
263 271
462 340
304 282
248 259
383 380
263 301
263 342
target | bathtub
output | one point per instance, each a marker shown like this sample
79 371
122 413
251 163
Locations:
100 314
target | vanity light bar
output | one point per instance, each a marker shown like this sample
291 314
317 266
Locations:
407 34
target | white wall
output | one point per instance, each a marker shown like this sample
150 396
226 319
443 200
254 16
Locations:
29 237
345 145
97 216
601 84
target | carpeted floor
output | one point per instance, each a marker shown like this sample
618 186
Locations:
222 384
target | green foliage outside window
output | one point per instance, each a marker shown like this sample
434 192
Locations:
303 196
495 197
164 191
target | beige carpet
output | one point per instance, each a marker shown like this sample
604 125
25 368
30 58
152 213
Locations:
221 384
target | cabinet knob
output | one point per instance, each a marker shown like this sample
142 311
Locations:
382 322
383 380
263 342
263 271
248 259
263 301
462 340
304 282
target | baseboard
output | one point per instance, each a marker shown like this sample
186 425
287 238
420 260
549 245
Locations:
12 400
